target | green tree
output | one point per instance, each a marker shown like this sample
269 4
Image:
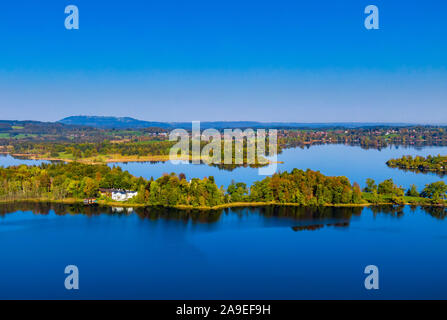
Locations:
412 191
389 188
356 193
370 185
435 190
90 187
238 191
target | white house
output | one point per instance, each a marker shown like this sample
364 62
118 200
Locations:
123 195
118 194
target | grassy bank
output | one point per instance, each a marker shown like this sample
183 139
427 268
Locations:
108 158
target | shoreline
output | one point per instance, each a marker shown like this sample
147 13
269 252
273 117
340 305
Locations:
115 158
417 170
95 160
218 207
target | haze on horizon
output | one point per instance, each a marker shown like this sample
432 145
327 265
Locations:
208 122
269 61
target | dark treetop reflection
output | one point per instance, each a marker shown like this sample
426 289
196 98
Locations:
304 214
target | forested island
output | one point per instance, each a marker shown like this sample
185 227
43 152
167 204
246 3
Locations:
73 182
115 151
437 164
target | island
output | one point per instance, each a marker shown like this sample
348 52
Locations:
436 164
75 182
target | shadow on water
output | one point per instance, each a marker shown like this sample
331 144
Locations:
421 171
303 218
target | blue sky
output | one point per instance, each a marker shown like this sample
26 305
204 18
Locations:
304 61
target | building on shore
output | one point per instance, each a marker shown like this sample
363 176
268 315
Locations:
118 194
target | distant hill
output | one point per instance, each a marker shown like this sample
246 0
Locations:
127 122
111 122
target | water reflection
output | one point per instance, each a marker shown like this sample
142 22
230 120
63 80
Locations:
355 163
306 218
421 171
238 253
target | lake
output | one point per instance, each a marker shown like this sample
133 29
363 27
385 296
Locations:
334 160
258 253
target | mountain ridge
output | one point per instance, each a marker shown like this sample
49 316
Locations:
110 122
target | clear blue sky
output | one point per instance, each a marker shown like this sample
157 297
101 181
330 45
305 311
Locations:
304 61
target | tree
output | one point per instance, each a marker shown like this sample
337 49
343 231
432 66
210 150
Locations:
90 187
237 191
388 187
45 182
370 185
435 190
412 192
356 193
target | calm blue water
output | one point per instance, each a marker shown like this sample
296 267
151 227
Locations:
261 253
7 160
234 254
334 160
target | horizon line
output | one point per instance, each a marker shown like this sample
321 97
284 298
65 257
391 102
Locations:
254 121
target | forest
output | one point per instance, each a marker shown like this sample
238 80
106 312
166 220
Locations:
111 151
437 164
75 181
76 151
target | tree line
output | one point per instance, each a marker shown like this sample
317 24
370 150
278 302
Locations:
367 137
59 181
